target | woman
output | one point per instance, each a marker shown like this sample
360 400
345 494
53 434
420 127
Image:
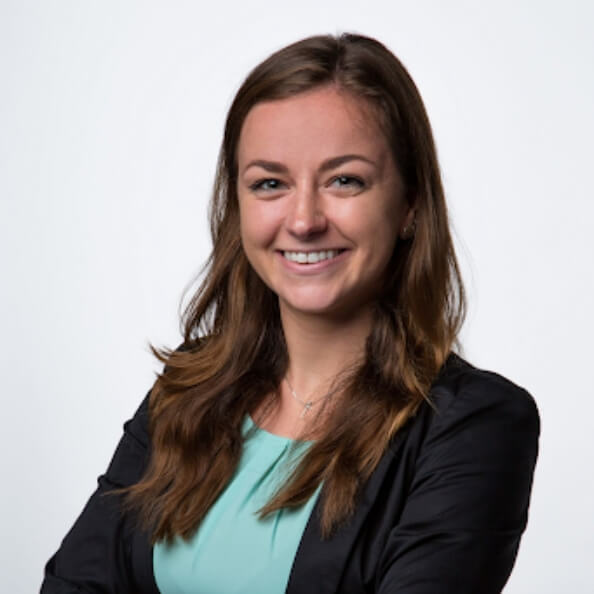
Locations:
315 432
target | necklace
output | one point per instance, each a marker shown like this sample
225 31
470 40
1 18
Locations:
307 404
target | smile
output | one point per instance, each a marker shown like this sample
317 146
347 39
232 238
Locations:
311 257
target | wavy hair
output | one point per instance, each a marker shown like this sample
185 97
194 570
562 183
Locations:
234 353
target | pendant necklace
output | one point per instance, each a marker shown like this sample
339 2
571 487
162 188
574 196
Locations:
307 404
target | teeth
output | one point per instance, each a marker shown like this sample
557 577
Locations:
310 257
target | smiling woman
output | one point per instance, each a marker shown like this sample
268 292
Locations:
316 432
320 233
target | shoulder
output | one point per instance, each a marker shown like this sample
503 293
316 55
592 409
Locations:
463 390
478 417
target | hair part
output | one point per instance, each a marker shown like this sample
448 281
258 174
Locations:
234 353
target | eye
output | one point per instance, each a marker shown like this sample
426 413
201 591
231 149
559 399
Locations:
347 181
268 184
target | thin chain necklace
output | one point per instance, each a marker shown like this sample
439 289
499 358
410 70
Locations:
307 404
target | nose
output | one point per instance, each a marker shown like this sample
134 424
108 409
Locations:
306 217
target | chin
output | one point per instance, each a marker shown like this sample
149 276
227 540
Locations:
309 308
321 306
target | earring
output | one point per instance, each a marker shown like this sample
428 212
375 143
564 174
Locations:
408 231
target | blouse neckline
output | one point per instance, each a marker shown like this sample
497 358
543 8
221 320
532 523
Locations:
281 439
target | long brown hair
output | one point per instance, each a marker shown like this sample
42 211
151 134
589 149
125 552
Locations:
234 353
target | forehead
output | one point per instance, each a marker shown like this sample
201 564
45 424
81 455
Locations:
322 123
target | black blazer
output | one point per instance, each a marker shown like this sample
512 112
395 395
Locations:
442 513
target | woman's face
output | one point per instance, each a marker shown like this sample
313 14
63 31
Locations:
321 200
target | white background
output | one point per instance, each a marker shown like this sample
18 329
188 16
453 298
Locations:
111 115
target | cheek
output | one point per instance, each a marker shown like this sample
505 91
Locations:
373 232
376 241
258 225
384 226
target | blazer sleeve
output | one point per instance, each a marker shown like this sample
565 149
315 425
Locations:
467 506
95 555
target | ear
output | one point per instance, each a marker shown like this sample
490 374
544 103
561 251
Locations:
409 225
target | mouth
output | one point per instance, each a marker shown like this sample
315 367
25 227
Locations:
312 257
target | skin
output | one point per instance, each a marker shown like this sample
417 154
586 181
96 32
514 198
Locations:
316 174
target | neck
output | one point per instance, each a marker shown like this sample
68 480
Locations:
320 348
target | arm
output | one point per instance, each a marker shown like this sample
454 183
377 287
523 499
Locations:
95 555
460 529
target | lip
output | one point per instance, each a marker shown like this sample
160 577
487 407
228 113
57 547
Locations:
306 269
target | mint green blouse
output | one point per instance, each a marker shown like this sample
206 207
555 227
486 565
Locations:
233 551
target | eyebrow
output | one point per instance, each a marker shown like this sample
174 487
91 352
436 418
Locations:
276 167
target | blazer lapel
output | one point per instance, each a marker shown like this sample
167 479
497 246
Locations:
319 564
